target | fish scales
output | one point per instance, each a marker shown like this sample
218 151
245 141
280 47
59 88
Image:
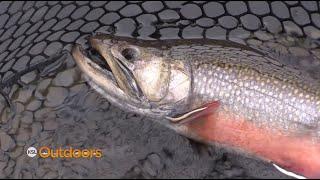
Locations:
273 98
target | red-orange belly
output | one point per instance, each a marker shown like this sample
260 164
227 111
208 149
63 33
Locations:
295 153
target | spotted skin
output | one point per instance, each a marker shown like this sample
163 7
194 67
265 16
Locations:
257 90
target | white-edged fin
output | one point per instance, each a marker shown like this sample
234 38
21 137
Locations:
184 116
288 173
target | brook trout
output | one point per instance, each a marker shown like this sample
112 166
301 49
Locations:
215 92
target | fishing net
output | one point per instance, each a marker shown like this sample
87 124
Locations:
37 36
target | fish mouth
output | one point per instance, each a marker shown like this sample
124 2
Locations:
104 63
111 76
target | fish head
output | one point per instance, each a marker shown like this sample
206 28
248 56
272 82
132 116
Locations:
135 76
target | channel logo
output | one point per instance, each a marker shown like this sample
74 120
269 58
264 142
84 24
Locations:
32 152
47 152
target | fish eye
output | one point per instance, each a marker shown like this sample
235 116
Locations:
130 53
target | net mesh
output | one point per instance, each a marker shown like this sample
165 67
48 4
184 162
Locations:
36 35
31 32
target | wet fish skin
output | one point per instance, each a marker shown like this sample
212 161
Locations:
273 114
245 81
261 97
254 92
245 84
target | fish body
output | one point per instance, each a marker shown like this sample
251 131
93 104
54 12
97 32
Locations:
269 98
222 92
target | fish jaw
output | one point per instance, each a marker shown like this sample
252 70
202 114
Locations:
92 70
104 82
120 67
148 80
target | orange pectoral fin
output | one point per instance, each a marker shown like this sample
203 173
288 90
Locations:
195 114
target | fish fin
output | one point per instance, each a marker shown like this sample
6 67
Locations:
288 173
196 113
